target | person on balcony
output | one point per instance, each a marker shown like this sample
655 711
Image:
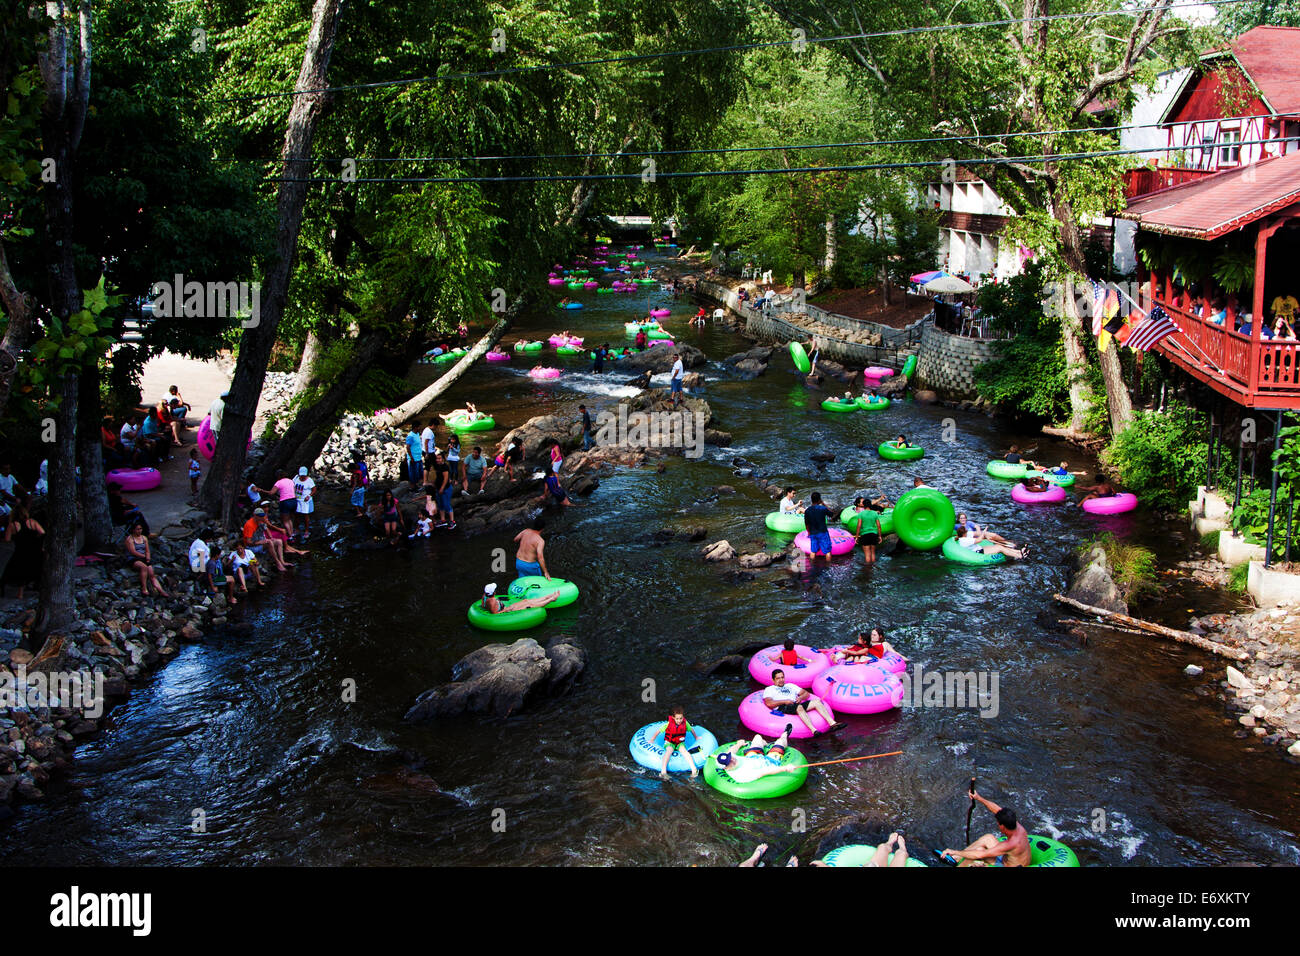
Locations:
1282 329
1219 314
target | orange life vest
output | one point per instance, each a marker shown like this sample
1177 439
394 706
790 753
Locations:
675 733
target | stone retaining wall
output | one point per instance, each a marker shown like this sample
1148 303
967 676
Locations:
946 363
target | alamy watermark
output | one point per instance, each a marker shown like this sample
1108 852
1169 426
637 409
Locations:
177 298
976 690
80 690
677 429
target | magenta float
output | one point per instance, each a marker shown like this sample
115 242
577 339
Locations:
768 659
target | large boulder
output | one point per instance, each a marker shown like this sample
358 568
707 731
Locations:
892 387
499 679
660 359
1093 584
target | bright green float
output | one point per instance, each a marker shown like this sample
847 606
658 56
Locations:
568 350
646 281
451 356
924 518
529 346
910 365
858 854
463 423
800 358
1065 481
773 785
1004 469
957 554
891 452
838 405
576 286
1044 851
860 522
784 523
879 405
505 620
536 585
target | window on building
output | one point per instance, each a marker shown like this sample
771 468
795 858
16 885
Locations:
1291 134
1229 145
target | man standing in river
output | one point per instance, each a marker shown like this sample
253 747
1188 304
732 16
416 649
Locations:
1009 849
530 559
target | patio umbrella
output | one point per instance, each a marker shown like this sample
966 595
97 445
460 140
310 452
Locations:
948 284
921 278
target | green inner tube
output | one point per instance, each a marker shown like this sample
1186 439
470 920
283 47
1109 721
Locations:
635 262
568 350
451 356
1044 851
658 334
646 281
924 518
459 423
535 585
800 358
910 365
773 785
604 289
576 286
784 524
520 620
879 405
1004 469
858 854
530 347
835 405
580 272
1065 481
955 553
859 522
890 451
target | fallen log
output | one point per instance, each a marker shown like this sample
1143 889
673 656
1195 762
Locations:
1136 624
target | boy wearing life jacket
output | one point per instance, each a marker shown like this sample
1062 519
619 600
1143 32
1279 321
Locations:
789 656
675 741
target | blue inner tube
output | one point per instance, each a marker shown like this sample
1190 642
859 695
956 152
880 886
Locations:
647 748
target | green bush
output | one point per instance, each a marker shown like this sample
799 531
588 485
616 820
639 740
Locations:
1250 520
1132 567
1210 541
1161 456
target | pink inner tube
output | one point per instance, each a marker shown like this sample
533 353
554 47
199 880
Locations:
876 371
859 688
758 717
1053 495
660 313
498 356
892 662
558 340
1116 504
544 372
655 342
841 541
207 441
768 659
134 479
555 282
591 285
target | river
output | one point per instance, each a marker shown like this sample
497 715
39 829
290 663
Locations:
244 751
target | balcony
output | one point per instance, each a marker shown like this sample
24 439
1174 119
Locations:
1225 360
983 224
1145 179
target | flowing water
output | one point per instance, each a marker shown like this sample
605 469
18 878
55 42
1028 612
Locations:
1103 745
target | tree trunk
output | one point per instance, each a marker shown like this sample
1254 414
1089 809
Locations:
56 608
832 242
886 298
93 493
419 404
66 77
1119 403
311 349
18 333
224 480
1076 357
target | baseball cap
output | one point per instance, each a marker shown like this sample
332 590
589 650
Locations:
490 589
259 511
302 472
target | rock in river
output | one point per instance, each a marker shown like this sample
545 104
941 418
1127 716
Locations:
498 679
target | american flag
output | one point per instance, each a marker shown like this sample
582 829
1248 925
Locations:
1156 326
1098 306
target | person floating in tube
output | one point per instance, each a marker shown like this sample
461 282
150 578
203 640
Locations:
866 647
747 763
675 741
1012 849
1102 489
493 605
795 702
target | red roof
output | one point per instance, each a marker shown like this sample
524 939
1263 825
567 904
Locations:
1218 204
1269 57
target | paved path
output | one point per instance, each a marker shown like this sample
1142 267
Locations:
200 382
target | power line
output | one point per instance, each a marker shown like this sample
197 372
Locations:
737 47
703 173
744 149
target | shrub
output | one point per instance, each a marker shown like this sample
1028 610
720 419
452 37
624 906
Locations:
1250 520
1237 578
1161 456
1132 567
1210 541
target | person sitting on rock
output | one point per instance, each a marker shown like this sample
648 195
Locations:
493 605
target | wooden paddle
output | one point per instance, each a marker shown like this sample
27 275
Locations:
825 763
